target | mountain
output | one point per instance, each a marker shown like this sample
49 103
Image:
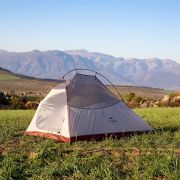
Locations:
53 64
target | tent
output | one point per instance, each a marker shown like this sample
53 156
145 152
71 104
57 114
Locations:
83 108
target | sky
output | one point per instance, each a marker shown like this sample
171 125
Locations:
122 28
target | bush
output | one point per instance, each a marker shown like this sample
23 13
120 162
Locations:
138 99
133 104
34 98
134 101
129 97
18 102
32 105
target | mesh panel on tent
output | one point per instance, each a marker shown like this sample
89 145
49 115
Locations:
87 91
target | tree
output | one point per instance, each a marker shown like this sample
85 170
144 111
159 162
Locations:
3 100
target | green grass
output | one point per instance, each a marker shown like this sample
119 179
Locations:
147 156
4 77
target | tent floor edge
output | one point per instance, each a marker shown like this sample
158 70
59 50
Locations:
108 135
48 135
85 137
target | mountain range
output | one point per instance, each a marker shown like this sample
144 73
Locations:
53 64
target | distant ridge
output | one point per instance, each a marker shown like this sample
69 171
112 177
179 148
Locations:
53 64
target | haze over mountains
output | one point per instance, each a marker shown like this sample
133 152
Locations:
53 64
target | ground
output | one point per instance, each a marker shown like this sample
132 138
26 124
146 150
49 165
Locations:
148 156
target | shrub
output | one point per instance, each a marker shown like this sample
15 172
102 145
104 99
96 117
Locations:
133 104
134 101
32 105
129 97
138 99
160 104
33 98
18 102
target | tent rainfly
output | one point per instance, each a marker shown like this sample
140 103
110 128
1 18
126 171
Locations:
83 108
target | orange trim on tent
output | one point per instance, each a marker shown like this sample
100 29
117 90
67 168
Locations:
48 135
84 137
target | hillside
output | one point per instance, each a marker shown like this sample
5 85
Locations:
7 75
53 64
11 82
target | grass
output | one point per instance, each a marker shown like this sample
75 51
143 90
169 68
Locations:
147 156
4 77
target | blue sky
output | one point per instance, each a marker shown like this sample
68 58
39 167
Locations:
126 28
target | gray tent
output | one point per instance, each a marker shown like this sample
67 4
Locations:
84 108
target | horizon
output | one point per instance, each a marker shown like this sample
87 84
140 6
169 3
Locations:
130 29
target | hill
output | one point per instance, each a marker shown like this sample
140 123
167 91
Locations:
12 82
153 72
7 75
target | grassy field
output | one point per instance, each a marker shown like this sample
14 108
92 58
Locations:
8 77
147 156
11 82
